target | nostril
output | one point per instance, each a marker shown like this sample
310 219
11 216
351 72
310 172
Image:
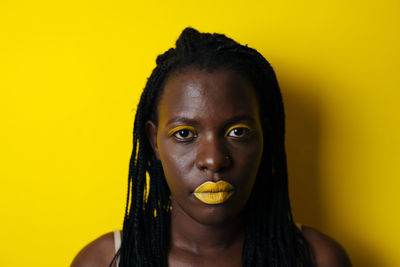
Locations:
214 163
203 168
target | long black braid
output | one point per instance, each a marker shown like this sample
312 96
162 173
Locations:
271 237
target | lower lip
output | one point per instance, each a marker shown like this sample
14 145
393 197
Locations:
213 198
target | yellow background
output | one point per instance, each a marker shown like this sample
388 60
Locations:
71 73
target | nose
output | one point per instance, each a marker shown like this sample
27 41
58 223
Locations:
213 155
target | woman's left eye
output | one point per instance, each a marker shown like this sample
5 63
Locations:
239 132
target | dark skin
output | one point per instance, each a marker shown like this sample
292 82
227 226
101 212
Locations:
208 130
214 109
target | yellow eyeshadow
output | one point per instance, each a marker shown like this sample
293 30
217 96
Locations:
238 126
182 127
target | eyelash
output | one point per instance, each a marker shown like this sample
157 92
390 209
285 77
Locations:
179 129
239 126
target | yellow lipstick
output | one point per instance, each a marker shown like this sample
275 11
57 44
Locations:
214 193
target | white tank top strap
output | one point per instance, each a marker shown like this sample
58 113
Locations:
117 240
117 244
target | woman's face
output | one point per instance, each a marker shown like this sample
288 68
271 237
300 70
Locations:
209 140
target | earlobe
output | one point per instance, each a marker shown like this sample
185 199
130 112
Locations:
151 132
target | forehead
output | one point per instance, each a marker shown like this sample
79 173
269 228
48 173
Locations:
200 94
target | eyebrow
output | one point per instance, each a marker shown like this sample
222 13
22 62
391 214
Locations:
235 119
181 119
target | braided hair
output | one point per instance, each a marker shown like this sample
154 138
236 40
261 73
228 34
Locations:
271 237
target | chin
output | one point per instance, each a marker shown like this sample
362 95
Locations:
219 214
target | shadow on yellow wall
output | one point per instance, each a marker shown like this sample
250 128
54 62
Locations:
304 120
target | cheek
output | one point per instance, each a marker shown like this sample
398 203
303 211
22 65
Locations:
247 161
177 162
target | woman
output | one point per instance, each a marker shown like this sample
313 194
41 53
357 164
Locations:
209 131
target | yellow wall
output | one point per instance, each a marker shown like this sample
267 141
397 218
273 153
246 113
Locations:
71 73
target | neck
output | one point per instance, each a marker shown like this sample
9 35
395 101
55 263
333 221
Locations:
192 236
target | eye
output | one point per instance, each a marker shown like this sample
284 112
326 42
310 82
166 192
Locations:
238 131
183 133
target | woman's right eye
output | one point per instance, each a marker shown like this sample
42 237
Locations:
184 134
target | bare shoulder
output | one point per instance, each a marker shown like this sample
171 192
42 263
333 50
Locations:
99 253
327 252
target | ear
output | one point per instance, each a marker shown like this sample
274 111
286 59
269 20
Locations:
151 132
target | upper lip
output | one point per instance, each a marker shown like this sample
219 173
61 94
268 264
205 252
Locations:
214 187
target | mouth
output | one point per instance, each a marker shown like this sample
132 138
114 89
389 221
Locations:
214 193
